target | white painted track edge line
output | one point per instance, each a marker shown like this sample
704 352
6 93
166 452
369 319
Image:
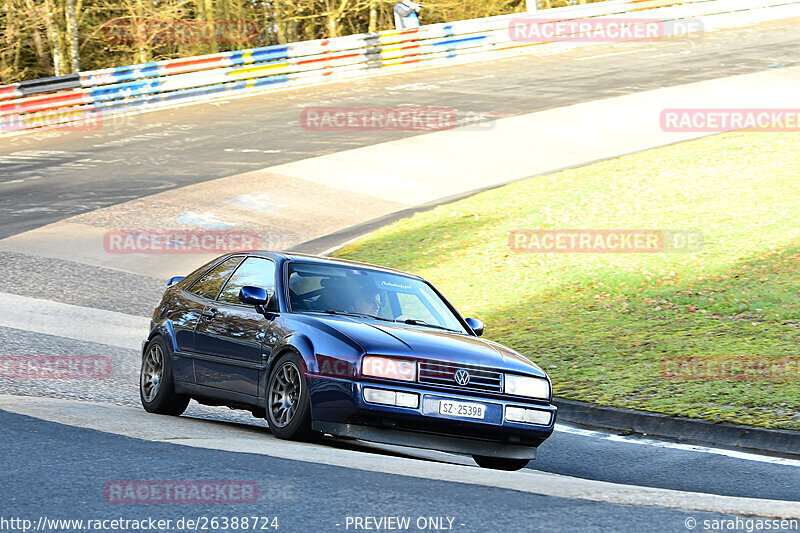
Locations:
117 421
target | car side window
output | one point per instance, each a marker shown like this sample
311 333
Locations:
255 271
209 285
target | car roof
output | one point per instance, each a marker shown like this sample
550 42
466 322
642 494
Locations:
308 258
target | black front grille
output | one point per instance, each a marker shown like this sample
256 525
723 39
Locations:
444 375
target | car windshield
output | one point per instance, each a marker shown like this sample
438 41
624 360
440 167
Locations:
345 290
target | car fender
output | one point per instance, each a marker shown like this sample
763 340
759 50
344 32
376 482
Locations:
298 343
165 330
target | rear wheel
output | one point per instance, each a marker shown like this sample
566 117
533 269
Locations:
288 400
500 463
156 386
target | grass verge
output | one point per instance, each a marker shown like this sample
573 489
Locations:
609 328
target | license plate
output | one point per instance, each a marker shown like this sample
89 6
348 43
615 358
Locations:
468 410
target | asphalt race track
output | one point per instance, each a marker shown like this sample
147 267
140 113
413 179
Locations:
52 175
62 464
304 496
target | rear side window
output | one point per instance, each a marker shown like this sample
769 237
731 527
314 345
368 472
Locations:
209 285
255 271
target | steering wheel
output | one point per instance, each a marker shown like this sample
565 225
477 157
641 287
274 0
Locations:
303 300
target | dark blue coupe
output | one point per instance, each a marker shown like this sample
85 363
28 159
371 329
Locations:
318 345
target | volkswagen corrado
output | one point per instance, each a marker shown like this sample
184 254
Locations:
326 346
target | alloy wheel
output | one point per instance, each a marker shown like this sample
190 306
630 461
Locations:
284 394
152 372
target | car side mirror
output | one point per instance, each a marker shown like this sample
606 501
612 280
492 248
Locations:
253 295
173 280
475 325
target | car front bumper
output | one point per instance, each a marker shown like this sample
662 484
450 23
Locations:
338 407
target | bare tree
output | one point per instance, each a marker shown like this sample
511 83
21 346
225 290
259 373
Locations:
72 36
54 37
373 16
41 38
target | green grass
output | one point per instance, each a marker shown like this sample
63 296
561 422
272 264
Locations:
601 324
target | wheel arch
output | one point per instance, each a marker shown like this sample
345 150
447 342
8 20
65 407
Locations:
167 333
298 344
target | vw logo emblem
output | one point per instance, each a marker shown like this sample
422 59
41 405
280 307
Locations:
461 377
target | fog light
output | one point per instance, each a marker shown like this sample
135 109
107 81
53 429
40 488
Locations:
390 397
528 416
407 399
515 414
385 397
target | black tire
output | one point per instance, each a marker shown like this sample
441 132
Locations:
159 397
289 409
500 463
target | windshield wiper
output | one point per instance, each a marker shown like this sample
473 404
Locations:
351 313
410 321
416 322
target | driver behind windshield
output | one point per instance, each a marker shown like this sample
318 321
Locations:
367 301
345 294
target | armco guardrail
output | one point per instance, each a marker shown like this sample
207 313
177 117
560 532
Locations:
129 89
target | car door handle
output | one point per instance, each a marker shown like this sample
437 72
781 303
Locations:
209 313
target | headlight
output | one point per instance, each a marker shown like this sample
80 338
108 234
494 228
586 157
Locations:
388 368
526 386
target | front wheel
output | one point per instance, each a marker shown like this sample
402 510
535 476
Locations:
500 463
288 400
156 387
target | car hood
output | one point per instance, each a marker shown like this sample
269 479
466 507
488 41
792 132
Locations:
428 344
